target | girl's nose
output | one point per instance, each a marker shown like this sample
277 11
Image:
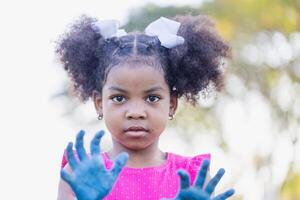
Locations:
136 112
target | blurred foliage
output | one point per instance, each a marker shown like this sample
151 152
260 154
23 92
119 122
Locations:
141 17
250 16
291 188
233 16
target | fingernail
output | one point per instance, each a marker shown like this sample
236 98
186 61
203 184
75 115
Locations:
81 133
231 192
180 172
205 162
100 133
70 145
222 170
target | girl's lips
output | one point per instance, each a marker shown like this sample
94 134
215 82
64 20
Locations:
136 128
136 131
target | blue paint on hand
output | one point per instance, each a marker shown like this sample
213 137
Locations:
197 192
90 179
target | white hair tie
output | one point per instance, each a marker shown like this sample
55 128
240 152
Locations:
166 31
164 28
109 28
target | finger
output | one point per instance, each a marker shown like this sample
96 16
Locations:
202 174
79 146
95 147
184 179
66 177
225 195
70 156
214 181
120 162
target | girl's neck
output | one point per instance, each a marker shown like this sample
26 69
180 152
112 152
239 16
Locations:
148 157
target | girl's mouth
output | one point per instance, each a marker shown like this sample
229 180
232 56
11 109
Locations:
136 131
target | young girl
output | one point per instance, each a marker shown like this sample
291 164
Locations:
135 81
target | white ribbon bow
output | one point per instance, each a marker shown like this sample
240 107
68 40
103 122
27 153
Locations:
109 28
166 31
164 28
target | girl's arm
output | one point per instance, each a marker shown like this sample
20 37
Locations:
64 190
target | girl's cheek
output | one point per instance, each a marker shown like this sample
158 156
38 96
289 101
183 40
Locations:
110 107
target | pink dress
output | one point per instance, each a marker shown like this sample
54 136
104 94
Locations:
152 183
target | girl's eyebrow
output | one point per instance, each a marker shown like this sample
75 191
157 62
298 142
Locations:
117 89
146 91
153 89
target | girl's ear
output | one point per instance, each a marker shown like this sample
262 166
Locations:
97 98
173 104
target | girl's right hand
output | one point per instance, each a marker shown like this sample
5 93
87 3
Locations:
197 192
90 180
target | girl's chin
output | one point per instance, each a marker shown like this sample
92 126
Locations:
135 145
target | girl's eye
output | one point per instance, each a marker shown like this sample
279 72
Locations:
153 98
118 99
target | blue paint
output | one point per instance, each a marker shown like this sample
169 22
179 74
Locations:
197 192
90 179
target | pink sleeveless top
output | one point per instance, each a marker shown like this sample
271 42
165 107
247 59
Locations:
152 183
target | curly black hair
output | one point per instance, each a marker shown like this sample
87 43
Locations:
189 68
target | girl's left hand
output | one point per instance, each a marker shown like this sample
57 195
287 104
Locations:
197 192
90 180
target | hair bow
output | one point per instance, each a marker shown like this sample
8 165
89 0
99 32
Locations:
166 31
109 28
164 28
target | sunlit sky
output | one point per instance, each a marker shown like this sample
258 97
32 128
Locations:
33 133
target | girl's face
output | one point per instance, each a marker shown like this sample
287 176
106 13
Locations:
136 104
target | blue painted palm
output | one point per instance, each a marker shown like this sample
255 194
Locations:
90 180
